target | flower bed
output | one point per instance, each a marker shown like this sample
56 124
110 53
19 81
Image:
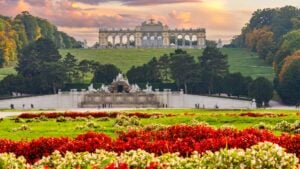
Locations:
92 114
179 138
252 114
262 155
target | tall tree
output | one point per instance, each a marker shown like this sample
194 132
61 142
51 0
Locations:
164 69
213 65
70 64
39 63
289 80
183 68
288 46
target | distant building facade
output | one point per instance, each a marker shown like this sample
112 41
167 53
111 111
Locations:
152 34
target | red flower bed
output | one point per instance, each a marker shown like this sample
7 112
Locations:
178 138
87 114
251 114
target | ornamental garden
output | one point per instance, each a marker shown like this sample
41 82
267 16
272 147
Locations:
154 138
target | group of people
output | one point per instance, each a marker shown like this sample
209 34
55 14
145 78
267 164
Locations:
12 106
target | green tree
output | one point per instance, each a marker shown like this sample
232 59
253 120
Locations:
39 63
183 68
289 85
214 65
13 83
164 68
71 66
235 84
148 72
261 90
105 73
288 46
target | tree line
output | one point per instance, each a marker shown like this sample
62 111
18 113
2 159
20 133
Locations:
42 70
18 32
274 33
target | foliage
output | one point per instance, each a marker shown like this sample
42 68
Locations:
262 155
40 66
18 32
181 139
148 72
239 59
91 114
289 85
105 73
289 45
213 65
183 68
271 32
261 90
235 84
125 121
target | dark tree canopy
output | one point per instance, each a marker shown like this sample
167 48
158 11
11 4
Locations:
289 86
40 66
267 29
183 68
261 90
148 72
105 73
213 65
18 32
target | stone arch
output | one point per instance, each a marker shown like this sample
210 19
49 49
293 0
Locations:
187 40
145 37
172 40
117 40
152 37
131 40
179 40
124 40
194 40
110 40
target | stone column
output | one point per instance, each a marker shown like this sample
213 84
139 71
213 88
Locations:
113 40
176 41
191 41
121 41
183 41
128 41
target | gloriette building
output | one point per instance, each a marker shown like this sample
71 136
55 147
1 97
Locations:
152 34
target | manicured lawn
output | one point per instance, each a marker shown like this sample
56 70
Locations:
216 118
240 60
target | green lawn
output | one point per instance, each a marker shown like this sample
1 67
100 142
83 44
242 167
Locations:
240 60
213 117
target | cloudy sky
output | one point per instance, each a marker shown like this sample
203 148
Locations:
82 18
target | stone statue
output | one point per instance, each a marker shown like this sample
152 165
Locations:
134 88
120 77
104 88
148 89
91 88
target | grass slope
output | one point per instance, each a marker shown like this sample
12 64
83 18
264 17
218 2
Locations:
240 60
215 118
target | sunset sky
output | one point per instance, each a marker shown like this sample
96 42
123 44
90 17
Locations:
82 18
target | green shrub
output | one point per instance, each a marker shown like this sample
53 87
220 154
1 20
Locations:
23 127
61 119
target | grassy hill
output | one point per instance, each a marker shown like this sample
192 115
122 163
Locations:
240 60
